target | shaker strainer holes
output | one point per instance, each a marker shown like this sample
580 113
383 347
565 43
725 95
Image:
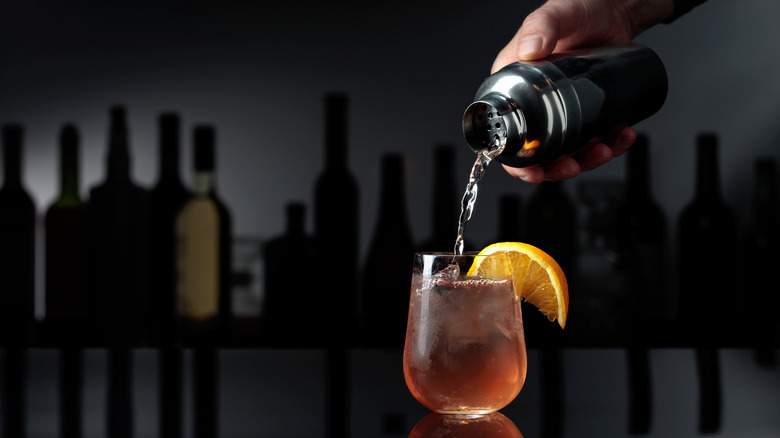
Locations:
498 125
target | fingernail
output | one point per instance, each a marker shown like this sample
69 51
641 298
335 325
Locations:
529 46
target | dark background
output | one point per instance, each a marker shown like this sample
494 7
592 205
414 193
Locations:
259 71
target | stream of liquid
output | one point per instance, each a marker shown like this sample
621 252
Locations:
484 158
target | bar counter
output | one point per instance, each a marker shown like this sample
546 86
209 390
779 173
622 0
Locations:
572 392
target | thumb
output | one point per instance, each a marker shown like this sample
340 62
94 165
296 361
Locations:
539 34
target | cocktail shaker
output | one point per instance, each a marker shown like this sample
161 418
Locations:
537 111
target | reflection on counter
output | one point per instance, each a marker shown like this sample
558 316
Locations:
495 425
287 393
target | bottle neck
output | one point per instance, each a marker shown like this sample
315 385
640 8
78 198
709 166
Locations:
69 170
12 168
204 182
707 177
118 148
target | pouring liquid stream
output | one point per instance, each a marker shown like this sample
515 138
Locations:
484 157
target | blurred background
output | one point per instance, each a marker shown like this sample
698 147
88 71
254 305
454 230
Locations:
259 71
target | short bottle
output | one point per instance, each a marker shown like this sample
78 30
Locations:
538 111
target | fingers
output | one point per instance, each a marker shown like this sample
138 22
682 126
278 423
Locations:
535 39
538 35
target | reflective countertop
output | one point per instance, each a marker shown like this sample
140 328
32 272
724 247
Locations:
291 393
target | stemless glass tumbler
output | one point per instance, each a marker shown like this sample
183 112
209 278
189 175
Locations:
465 348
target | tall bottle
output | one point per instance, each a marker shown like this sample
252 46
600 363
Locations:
336 219
386 271
17 281
444 201
761 255
292 316
17 246
644 250
65 226
706 232
67 300
117 215
199 235
166 200
601 281
553 226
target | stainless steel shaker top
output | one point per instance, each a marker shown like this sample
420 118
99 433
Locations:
538 111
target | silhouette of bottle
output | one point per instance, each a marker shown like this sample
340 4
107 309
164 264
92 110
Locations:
601 282
707 235
761 256
387 271
643 249
17 246
336 222
292 313
444 203
199 249
67 300
552 226
117 215
166 200
17 282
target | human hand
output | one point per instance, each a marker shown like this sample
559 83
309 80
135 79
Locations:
561 25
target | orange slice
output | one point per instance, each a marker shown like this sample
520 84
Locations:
536 277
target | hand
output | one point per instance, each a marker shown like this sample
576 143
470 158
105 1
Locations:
561 25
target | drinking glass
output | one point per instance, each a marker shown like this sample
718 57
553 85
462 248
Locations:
465 347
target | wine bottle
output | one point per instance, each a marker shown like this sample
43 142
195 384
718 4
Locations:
292 315
707 245
643 251
201 246
166 199
336 221
387 267
552 226
706 232
761 255
65 225
17 246
444 202
117 215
